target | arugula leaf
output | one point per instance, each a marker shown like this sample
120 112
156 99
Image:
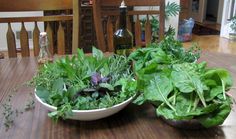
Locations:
97 53
58 84
107 86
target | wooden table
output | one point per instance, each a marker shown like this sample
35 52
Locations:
132 122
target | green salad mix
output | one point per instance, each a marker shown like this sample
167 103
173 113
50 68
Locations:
167 75
180 88
85 82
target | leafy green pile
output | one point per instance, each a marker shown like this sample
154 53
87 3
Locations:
85 82
181 89
167 52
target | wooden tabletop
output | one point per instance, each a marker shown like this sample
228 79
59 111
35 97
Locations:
132 122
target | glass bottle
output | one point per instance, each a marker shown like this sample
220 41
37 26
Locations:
44 53
123 38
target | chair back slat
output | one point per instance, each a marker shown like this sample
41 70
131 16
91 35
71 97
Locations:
61 40
110 33
36 33
148 31
76 27
24 41
50 38
11 42
138 32
117 23
162 20
34 5
129 26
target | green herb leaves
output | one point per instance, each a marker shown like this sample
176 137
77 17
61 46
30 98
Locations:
85 82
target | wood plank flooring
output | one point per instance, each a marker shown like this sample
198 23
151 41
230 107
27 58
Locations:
213 43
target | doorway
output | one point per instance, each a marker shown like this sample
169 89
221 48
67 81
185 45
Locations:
212 9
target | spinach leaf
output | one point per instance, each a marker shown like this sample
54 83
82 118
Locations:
216 117
158 90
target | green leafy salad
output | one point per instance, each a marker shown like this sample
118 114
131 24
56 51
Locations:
85 82
180 88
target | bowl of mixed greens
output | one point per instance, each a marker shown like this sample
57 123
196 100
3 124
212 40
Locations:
181 89
85 87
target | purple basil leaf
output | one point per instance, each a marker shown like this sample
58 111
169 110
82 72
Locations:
96 78
104 80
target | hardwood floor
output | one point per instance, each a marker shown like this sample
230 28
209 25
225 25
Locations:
212 43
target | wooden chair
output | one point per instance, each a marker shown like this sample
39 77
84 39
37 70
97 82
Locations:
40 5
103 16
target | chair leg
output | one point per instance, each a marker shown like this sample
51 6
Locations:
1 55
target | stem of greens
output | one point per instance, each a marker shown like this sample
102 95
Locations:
199 93
189 108
223 89
165 100
175 94
195 102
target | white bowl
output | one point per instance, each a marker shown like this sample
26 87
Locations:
89 115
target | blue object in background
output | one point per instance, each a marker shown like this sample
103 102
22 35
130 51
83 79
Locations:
185 30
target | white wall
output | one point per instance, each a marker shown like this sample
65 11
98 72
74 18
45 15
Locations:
225 27
17 26
173 21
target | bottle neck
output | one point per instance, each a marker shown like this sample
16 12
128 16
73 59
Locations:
123 12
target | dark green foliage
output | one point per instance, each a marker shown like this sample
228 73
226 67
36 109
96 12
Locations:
172 9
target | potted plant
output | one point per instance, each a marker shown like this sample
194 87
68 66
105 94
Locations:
232 34
172 9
